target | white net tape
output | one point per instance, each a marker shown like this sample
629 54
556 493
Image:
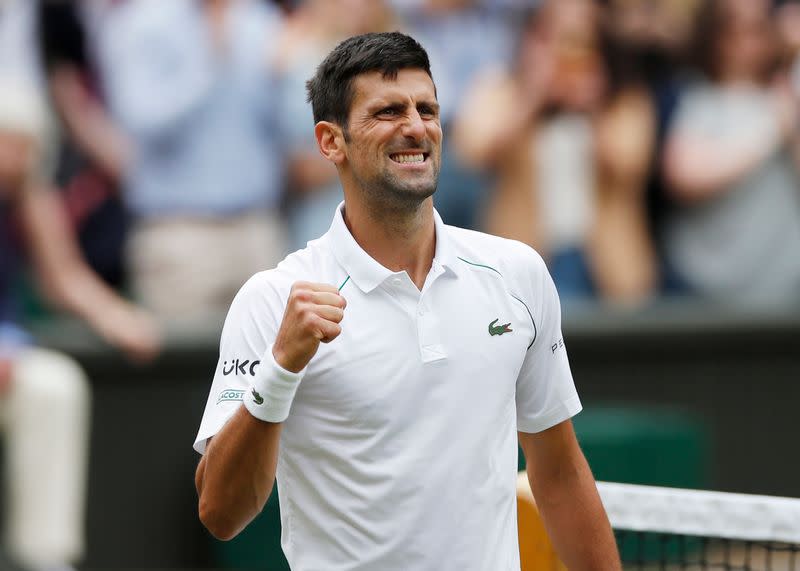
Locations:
701 513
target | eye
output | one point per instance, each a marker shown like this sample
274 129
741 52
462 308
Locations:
427 111
389 112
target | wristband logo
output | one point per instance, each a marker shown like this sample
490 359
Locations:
257 398
228 395
239 367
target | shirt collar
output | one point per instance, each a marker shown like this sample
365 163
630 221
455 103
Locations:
365 271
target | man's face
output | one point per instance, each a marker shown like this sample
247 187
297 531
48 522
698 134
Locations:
394 136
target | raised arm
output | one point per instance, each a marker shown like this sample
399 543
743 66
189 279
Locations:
90 126
698 166
70 283
235 476
567 497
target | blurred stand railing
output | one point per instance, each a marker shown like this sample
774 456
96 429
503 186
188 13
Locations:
738 370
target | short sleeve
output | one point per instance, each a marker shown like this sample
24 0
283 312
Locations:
250 328
545 393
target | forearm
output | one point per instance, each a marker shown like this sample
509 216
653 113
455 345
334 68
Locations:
71 284
620 250
67 281
576 520
697 169
483 139
236 475
88 123
513 207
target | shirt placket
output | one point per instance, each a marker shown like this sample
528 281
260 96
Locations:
431 347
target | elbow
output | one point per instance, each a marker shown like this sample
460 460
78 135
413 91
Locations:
217 521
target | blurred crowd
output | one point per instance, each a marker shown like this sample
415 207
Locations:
644 147
163 152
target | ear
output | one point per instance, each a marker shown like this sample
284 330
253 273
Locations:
330 140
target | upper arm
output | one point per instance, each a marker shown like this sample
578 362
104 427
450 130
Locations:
545 392
250 327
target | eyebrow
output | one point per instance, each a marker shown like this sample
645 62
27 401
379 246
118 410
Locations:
388 104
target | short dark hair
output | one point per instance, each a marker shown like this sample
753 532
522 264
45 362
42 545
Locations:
330 91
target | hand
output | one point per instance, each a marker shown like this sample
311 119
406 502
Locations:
313 313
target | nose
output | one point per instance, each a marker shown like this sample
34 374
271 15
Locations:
414 127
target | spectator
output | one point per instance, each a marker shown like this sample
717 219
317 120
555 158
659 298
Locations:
571 149
191 83
647 41
92 152
312 32
734 235
44 396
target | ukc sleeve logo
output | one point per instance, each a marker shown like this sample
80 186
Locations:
239 367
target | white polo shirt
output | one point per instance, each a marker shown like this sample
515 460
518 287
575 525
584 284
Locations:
400 451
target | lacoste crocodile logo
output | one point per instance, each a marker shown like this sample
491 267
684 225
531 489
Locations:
499 329
257 398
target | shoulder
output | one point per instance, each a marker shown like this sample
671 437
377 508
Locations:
509 259
271 287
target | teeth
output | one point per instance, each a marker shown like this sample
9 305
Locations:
408 158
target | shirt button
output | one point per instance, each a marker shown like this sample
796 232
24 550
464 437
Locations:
421 311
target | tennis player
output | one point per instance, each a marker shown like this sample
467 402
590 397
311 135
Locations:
385 371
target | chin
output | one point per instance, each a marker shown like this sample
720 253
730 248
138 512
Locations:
397 192
418 193
420 188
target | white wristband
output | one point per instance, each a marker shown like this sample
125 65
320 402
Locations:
272 392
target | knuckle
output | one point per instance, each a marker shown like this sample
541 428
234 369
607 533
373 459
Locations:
300 296
308 320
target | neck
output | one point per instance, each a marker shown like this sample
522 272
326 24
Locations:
400 239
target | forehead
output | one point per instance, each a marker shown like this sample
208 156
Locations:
372 88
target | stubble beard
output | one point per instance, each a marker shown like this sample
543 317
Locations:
388 193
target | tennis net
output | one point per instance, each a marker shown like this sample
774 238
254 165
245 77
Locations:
669 528
659 528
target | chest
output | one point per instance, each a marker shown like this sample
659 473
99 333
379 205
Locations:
447 354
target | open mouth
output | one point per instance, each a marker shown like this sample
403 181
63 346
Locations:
409 158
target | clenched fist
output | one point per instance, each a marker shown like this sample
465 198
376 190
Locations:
312 315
